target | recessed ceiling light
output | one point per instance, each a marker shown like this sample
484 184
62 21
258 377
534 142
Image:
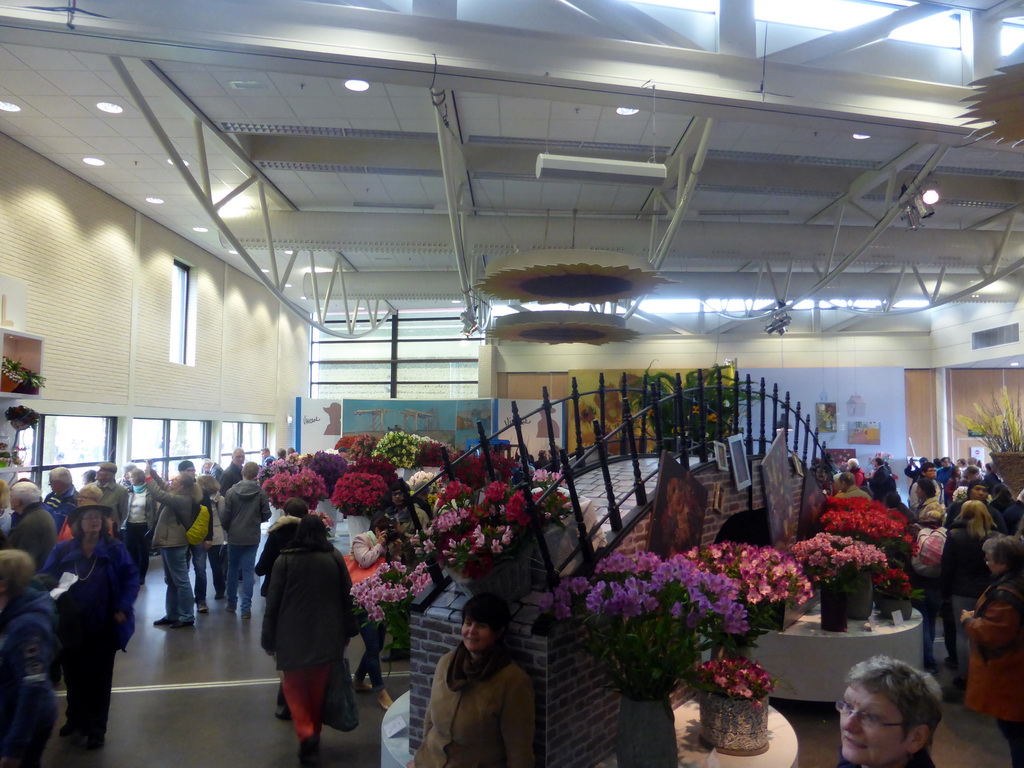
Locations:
200 229
266 271
456 301
1014 364
287 285
303 298
233 252
861 136
109 107
171 162
289 253
8 106
626 111
93 161
357 85
155 200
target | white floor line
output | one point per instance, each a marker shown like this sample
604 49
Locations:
215 684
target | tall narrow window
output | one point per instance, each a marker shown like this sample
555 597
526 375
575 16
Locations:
179 314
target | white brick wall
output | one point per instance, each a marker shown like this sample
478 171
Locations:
99 277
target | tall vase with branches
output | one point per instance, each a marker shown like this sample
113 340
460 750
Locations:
999 425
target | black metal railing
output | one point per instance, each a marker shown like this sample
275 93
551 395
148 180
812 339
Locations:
685 422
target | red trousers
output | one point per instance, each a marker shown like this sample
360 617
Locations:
304 690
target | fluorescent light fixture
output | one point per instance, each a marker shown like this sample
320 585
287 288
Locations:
200 229
93 161
357 85
155 200
930 196
1014 364
626 111
233 252
8 106
109 107
911 304
456 301
287 285
599 170
264 271
861 136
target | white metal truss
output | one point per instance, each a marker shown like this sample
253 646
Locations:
202 192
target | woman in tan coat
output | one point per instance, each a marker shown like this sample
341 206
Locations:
481 711
995 683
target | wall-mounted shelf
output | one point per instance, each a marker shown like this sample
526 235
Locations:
27 349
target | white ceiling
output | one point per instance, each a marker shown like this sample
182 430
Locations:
781 149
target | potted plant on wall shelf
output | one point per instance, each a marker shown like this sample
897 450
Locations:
18 379
1000 426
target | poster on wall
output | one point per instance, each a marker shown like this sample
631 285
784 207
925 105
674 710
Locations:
447 421
535 428
680 501
978 452
778 494
840 456
825 417
740 462
318 424
864 433
812 502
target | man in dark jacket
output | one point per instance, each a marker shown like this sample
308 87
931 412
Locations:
233 474
62 497
32 528
28 707
976 492
245 507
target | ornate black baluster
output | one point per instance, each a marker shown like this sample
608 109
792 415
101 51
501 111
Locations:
775 411
624 394
614 518
807 437
524 455
735 403
763 398
796 431
601 393
720 410
586 545
702 418
576 419
679 423
638 485
656 406
538 531
814 450
551 431
644 403
485 448
750 416
447 464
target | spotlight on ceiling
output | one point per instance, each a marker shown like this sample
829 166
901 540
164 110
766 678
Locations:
917 208
930 196
779 323
861 136
469 321
626 111
357 85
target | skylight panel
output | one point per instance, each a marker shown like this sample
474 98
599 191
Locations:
832 15
1011 38
670 306
941 30
703 6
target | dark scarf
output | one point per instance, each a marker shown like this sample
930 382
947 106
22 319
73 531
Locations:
464 670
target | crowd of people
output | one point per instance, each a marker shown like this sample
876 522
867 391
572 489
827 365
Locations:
72 562
968 572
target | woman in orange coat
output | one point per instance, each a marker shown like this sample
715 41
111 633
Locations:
995 682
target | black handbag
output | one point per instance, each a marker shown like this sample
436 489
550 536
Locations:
340 711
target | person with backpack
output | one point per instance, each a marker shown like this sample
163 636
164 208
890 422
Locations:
925 568
995 685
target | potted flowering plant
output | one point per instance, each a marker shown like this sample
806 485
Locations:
400 448
359 446
9 456
327 520
868 521
370 465
18 378
733 705
21 417
387 595
304 484
330 466
286 466
648 620
769 581
834 564
359 494
472 470
430 453
893 593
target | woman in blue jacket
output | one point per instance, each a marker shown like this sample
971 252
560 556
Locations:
28 707
104 592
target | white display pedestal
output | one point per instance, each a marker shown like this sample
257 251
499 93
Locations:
811 664
782 746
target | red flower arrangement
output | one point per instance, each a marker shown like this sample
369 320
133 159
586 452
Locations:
472 470
359 446
359 493
371 465
430 454
894 582
736 678
868 521
305 484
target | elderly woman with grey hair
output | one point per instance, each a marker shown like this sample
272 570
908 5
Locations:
888 715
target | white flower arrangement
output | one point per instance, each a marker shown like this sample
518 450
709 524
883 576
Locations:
419 479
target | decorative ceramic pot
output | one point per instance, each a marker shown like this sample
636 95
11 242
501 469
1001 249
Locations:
647 735
357 524
509 579
1010 467
734 726
887 606
833 611
859 603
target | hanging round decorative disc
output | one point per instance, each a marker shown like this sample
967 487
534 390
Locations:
569 276
997 100
561 327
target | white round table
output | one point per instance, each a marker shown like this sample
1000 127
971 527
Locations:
811 664
782 746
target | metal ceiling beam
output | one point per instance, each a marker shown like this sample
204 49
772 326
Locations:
631 22
813 51
454 170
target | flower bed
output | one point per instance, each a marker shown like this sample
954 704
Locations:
304 484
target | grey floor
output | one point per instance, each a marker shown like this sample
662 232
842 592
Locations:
205 697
